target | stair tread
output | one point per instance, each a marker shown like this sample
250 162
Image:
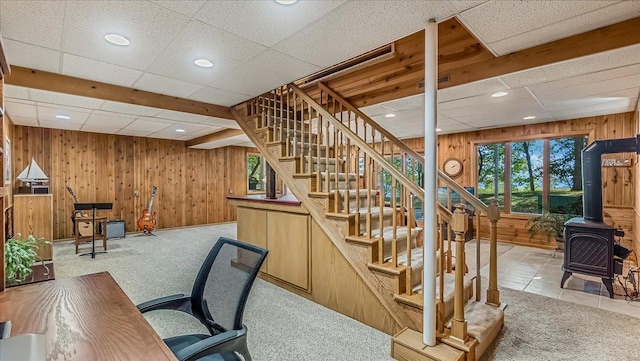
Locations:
341 176
375 211
401 233
482 320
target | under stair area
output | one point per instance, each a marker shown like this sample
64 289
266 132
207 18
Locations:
363 187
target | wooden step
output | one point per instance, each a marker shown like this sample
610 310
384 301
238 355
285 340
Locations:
483 324
407 345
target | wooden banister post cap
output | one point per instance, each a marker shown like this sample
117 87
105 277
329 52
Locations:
459 220
493 212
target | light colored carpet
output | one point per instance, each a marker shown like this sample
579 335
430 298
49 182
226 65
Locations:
283 326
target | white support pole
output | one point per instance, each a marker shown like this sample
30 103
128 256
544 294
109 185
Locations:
430 181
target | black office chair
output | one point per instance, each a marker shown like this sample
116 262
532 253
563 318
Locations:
217 300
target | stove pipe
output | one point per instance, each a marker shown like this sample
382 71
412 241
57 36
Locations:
592 171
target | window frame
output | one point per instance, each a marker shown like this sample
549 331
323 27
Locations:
545 136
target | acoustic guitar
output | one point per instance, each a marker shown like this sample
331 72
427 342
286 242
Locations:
147 222
84 228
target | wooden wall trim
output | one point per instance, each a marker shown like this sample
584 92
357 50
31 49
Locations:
223 134
38 79
5 68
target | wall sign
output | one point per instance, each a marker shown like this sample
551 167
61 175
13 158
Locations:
609 162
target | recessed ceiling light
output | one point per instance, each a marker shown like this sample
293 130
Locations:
117 39
180 130
390 115
63 117
529 117
438 130
499 94
203 63
286 2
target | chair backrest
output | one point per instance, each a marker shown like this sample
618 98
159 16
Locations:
223 283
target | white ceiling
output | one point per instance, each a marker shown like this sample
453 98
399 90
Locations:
258 45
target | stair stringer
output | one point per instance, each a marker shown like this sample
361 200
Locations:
405 317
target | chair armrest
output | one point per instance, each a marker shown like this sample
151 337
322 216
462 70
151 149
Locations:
177 302
210 345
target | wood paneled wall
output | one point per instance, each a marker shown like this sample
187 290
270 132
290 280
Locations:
192 183
619 183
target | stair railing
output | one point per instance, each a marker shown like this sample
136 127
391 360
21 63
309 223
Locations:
413 163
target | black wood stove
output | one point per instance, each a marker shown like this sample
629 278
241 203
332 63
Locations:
589 242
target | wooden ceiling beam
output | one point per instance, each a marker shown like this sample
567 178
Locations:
607 38
37 79
223 134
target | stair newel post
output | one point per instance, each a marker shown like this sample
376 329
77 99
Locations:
493 294
459 224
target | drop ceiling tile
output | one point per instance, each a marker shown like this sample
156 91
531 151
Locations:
134 133
163 85
219 122
31 56
407 103
131 109
486 100
60 125
374 110
188 128
31 122
589 64
34 22
207 131
487 86
197 40
218 96
99 129
150 125
615 13
48 114
44 96
265 22
181 116
361 26
184 7
613 107
148 26
557 105
107 120
586 90
453 126
86 68
17 92
21 110
587 78
462 5
498 20
263 73
516 109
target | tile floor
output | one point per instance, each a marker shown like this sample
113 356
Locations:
539 271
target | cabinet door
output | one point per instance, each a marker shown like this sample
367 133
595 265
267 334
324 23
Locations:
288 244
252 228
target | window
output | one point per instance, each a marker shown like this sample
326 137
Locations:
255 173
414 172
533 175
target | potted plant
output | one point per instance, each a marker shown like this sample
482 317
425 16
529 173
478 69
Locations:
550 225
19 255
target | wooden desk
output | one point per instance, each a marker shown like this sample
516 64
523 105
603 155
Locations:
96 226
85 318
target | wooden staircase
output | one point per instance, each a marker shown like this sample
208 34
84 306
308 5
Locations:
343 167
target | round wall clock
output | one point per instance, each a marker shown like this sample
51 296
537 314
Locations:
452 167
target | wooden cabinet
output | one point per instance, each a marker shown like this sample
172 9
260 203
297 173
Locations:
33 214
285 235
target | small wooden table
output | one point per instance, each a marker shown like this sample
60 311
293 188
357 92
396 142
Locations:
84 318
96 225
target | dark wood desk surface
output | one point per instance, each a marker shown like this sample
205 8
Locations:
86 318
